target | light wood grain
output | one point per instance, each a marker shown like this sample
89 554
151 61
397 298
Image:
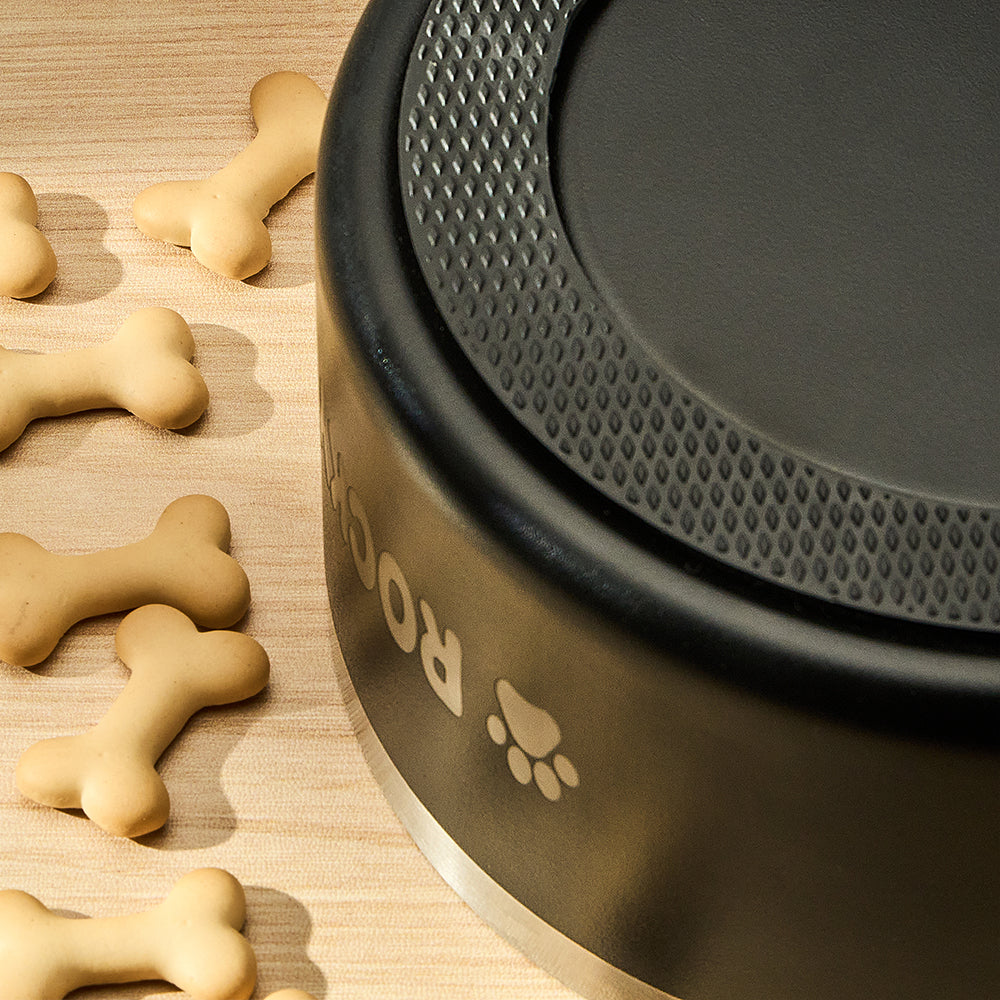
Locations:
98 100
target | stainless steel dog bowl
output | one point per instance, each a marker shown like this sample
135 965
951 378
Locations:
659 351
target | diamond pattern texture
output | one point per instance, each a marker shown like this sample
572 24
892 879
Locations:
478 197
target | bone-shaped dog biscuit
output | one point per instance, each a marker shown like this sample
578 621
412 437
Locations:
192 940
110 771
222 217
291 995
145 369
183 563
27 263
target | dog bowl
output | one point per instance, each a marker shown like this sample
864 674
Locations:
658 357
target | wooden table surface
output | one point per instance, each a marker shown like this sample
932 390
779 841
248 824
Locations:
97 101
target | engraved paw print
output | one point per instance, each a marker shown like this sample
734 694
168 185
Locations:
535 735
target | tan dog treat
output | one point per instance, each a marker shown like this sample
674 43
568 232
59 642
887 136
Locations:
192 940
145 369
222 217
183 563
27 263
110 771
291 995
